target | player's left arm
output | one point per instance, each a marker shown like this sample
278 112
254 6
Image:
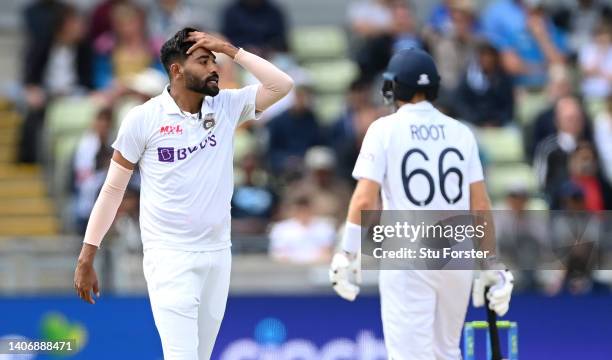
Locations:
275 84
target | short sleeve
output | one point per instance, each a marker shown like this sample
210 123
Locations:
474 169
371 162
130 140
241 103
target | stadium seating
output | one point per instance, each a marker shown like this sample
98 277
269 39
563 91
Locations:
318 42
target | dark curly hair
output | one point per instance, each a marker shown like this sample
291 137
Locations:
176 48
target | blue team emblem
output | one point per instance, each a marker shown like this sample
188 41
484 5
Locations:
209 121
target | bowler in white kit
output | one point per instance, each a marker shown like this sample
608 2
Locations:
405 160
182 142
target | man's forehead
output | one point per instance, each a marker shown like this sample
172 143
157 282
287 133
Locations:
201 52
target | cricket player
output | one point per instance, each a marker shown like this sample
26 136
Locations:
182 141
423 311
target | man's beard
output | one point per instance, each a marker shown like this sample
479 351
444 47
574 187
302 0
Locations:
201 86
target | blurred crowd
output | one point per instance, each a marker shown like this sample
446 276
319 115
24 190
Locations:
292 170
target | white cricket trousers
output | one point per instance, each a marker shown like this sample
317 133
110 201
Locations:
423 312
188 292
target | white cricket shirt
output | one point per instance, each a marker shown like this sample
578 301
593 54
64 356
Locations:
186 167
422 158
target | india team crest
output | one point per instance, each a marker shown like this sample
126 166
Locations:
209 121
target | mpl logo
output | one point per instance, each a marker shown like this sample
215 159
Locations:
170 154
170 130
270 343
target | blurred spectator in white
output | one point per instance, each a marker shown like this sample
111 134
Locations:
254 202
583 167
166 17
101 18
454 48
125 51
603 138
303 238
258 26
345 134
543 124
580 18
90 144
87 191
527 39
370 18
57 65
485 96
552 153
595 57
292 133
329 194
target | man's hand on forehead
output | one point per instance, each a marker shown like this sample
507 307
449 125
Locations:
211 43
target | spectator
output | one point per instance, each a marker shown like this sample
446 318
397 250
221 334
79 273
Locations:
328 194
292 133
580 19
303 238
595 59
39 17
101 18
258 26
346 133
551 159
124 52
90 144
527 39
485 96
59 65
453 49
254 202
370 18
166 16
583 167
603 138
405 34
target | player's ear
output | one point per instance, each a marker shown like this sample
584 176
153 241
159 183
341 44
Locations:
176 70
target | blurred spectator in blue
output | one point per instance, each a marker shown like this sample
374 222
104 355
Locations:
583 168
441 19
292 133
254 202
303 238
603 138
485 96
527 39
88 189
455 47
595 58
328 193
90 144
256 25
126 50
381 27
165 17
552 153
55 66
579 19
100 19
343 134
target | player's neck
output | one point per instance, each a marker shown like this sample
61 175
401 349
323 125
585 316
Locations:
188 101
417 98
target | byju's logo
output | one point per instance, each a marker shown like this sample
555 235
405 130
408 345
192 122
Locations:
165 154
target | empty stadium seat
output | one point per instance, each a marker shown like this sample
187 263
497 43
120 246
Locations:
503 177
501 145
331 76
317 42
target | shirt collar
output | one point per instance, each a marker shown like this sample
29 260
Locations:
170 106
420 106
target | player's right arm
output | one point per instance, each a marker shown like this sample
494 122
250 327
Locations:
129 146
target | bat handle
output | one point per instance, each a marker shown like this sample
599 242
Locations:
493 331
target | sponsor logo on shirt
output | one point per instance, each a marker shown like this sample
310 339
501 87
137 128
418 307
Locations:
170 154
170 130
